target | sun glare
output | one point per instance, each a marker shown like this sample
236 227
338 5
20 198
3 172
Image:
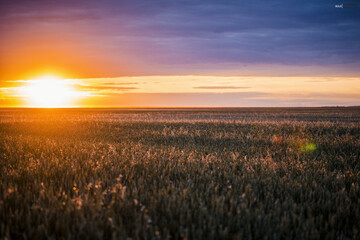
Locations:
49 92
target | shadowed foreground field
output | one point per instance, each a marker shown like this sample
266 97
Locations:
180 173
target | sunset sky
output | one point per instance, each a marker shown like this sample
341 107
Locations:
179 53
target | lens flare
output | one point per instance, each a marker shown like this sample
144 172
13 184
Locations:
309 147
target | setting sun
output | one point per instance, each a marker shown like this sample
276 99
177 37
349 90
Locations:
49 92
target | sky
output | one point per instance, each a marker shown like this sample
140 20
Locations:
195 53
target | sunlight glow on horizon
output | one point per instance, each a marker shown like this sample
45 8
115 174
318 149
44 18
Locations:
53 91
49 91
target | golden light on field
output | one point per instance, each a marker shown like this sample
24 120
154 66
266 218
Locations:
49 92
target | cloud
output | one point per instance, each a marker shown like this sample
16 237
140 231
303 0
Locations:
220 87
188 31
11 84
119 83
101 88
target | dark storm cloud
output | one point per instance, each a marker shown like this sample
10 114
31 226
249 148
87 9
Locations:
192 32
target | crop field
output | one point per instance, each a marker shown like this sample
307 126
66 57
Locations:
226 173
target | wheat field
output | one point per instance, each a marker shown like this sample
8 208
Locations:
222 173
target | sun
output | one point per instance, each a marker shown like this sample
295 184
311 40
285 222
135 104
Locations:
49 92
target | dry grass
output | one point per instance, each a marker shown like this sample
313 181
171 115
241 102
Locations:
180 174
